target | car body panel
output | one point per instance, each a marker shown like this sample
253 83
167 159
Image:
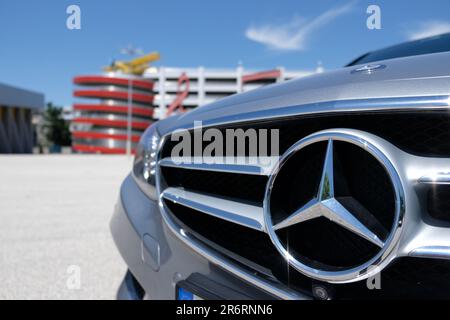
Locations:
417 82
425 75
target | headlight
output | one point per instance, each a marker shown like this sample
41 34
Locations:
144 166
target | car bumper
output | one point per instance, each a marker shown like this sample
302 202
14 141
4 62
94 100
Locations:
159 262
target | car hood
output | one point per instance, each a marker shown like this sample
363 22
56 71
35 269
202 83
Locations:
417 76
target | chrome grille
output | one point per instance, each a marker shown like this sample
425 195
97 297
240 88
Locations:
222 206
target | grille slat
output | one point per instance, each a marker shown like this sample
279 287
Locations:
247 215
244 165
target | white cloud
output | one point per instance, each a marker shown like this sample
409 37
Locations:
293 35
429 29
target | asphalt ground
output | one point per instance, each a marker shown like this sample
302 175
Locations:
54 226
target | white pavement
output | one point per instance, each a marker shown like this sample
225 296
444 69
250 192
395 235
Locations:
54 214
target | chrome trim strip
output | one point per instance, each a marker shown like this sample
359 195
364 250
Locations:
436 178
245 165
243 214
433 252
336 106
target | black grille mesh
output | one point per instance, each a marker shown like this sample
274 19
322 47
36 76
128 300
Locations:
247 188
425 133
439 202
412 278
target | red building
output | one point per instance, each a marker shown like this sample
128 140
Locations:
110 109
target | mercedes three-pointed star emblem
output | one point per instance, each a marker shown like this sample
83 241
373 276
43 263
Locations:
326 205
368 69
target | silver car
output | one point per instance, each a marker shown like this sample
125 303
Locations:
356 203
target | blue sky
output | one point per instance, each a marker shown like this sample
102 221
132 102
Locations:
38 52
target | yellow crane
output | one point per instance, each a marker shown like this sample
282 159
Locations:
136 66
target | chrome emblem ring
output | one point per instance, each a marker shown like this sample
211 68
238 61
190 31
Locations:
326 204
